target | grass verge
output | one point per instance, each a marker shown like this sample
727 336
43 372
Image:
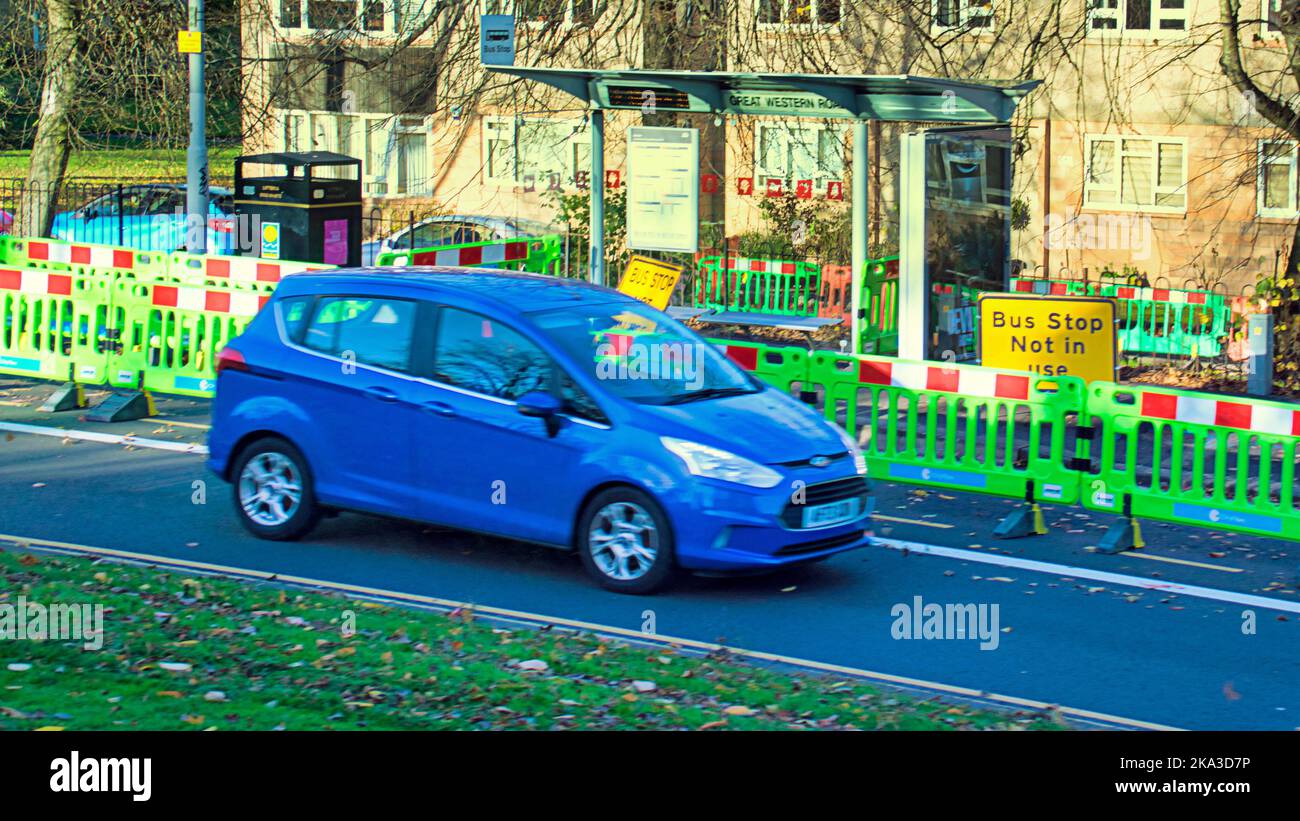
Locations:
195 652
127 164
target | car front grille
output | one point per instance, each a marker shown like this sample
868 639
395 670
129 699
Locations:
819 544
823 493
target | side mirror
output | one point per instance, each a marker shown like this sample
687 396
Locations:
538 404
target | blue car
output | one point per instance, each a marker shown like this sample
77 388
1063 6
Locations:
529 407
149 218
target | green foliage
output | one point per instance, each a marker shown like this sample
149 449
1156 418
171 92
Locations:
574 211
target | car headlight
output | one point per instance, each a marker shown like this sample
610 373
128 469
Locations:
855 449
714 463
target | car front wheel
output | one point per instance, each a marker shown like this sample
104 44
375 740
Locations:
625 542
274 496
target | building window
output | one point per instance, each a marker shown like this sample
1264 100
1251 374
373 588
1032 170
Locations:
798 151
1136 174
1271 11
290 14
535 153
331 14
1276 178
394 150
961 15
798 12
1155 18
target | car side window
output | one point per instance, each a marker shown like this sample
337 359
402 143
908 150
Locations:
371 331
480 354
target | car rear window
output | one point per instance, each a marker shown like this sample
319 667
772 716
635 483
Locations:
368 331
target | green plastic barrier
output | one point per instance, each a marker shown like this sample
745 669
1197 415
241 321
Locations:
1193 458
781 367
169 334
538 255
880 304
1178 322
960 427
55 324
764 286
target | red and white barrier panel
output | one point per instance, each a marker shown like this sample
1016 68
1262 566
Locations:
249 269
32 281
96 256
235 303
1043 287
917 376
1201 411
471 257
758 266
1162 295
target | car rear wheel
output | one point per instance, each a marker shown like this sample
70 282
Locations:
274 496
625 542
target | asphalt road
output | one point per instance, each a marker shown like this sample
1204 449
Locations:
1062 638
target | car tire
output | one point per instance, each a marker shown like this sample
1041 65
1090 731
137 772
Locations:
277 472
625 542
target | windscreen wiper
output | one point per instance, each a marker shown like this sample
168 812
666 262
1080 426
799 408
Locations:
706 393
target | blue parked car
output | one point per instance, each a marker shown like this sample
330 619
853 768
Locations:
530 407
147 217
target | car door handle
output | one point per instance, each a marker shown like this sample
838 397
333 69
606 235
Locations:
382 394
439 408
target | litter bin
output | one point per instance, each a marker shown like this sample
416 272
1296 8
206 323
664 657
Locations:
300 206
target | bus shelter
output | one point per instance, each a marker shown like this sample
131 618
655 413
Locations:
954 177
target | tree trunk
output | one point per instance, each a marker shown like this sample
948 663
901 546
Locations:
53 142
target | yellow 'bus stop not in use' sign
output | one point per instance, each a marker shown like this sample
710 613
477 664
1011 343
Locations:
650 280
1052 336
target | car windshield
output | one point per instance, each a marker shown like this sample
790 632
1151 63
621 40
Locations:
643 355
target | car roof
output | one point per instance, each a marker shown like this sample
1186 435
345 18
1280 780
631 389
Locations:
515 292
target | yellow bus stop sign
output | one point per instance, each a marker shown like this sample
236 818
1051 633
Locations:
1052 336
650 280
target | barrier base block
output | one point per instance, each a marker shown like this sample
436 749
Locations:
70 396
1026 520
123 407
1126 534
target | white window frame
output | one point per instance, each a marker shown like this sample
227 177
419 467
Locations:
495 125
788 130
1156 189
1292 209
814 17
966 9
598 8
389 28
363 124
1100 10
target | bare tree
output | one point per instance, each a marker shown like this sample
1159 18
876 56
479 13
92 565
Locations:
53 142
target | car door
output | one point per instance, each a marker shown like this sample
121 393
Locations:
354 384
486 466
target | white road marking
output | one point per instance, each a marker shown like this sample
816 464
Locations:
1245 599
105 438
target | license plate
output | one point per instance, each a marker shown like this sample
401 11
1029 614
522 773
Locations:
830 513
